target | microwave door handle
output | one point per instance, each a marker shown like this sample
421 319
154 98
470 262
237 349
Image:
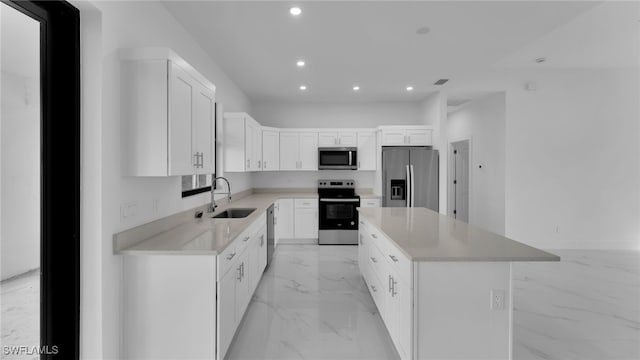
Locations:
412 186
408 187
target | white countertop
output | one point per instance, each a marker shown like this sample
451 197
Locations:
206 235
425 235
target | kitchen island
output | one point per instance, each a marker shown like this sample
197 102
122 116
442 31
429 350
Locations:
443 287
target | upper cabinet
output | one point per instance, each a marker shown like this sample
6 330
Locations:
367 151
338 139
168 112
270 149
242 139
406 135
298 150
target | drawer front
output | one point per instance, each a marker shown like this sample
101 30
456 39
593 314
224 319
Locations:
397 260
227 259
369 202
306 203
377 261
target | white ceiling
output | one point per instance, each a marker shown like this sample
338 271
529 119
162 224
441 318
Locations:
374 43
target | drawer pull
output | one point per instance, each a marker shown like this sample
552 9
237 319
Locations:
373 260
373 288
374 236
230 256
239 278
395 259
361 222
246 239
390 282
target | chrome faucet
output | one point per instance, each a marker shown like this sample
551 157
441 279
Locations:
213 205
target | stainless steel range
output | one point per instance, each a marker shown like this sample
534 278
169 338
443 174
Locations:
338 220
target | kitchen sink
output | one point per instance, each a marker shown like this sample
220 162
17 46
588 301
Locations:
234 213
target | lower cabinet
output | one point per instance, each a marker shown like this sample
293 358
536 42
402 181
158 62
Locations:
389 281
297 220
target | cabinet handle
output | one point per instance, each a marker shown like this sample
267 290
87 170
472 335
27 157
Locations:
373 288
393 288
195 160
358 164
259 164
374 236
230 256
239 278
395 259
361 223
374 260
242 270
248 164
264 164
201 160
246 239
390 280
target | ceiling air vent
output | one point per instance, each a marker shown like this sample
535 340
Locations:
441 82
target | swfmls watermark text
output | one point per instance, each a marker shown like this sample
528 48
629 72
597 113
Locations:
30 350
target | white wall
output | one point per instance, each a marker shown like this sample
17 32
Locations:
573 158
20 180
483 123
115 25
20 144
433 112
325 115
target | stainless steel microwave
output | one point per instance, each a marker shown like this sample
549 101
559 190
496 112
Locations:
337 158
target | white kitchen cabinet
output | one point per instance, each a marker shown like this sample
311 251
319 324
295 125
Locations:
242 143
298 150
226 309
285 220
168 115
306 219
257 258
367 151
369 202
406 136
337 138
270 149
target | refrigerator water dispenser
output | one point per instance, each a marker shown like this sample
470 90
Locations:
397 189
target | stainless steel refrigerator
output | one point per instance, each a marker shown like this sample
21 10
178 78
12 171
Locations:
410 177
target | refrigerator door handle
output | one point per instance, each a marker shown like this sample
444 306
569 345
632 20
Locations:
408 186
412 185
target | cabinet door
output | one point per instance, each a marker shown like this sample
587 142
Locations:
252 265
234 132
226 305
419 137
394 137
363 255
308 151
367 151
328 138
347 138
203 130
306 223
243 294
249 134
262 251
289 151
270 150
257 147
285 219
181 157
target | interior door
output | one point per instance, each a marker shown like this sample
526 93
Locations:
460 181
425 178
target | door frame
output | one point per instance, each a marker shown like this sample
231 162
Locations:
60 175
450 174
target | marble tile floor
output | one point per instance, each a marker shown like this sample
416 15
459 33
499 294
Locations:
313 304
20 315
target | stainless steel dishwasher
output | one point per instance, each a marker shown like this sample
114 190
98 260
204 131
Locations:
270 235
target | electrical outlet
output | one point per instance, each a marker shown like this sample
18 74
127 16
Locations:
497 299
127 210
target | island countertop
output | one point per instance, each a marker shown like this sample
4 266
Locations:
425 235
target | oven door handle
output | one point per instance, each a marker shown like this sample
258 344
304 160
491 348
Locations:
339 200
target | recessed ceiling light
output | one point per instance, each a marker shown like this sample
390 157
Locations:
540 60
303 87
356 88
409 88
423 30
300 63
295 11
